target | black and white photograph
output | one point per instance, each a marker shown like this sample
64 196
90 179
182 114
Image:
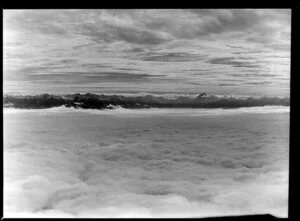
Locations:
146 113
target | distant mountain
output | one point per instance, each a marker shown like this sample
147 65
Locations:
94 101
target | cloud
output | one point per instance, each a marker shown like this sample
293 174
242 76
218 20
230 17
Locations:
96 65
249 52
90 77
228 20
110 33
135 50
144 166
259 82
128 69
233 62
140 27
171 57
119 76
41 21
227 84
196 69
108 40
255 74
78 22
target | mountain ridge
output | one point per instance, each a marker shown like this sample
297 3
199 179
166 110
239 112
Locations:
96 101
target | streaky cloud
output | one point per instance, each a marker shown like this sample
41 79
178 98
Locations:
233 62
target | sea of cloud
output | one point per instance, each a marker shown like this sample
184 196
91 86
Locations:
169 163
156 111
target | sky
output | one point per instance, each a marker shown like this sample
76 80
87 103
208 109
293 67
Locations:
219 51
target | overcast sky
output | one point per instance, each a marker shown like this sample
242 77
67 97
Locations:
238 51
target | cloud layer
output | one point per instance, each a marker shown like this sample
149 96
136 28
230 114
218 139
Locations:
161 164
172 43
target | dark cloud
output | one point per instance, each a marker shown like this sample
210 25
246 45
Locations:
231 80
263 75
119 76
138 36
95 65
227 20
259 82
232 62
135 50
84 45
249 52
93 77
255 74
196 69
110 33
128 69
227 84
28 73
282 78
234 46
171 57
66 61
204 73
201 84
50 74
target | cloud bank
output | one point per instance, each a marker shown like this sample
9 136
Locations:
157 165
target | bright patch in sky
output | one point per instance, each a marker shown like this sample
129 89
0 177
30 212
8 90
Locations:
225 51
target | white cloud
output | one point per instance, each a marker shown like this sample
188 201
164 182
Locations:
110 165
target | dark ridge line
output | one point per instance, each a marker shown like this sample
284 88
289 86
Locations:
94 101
